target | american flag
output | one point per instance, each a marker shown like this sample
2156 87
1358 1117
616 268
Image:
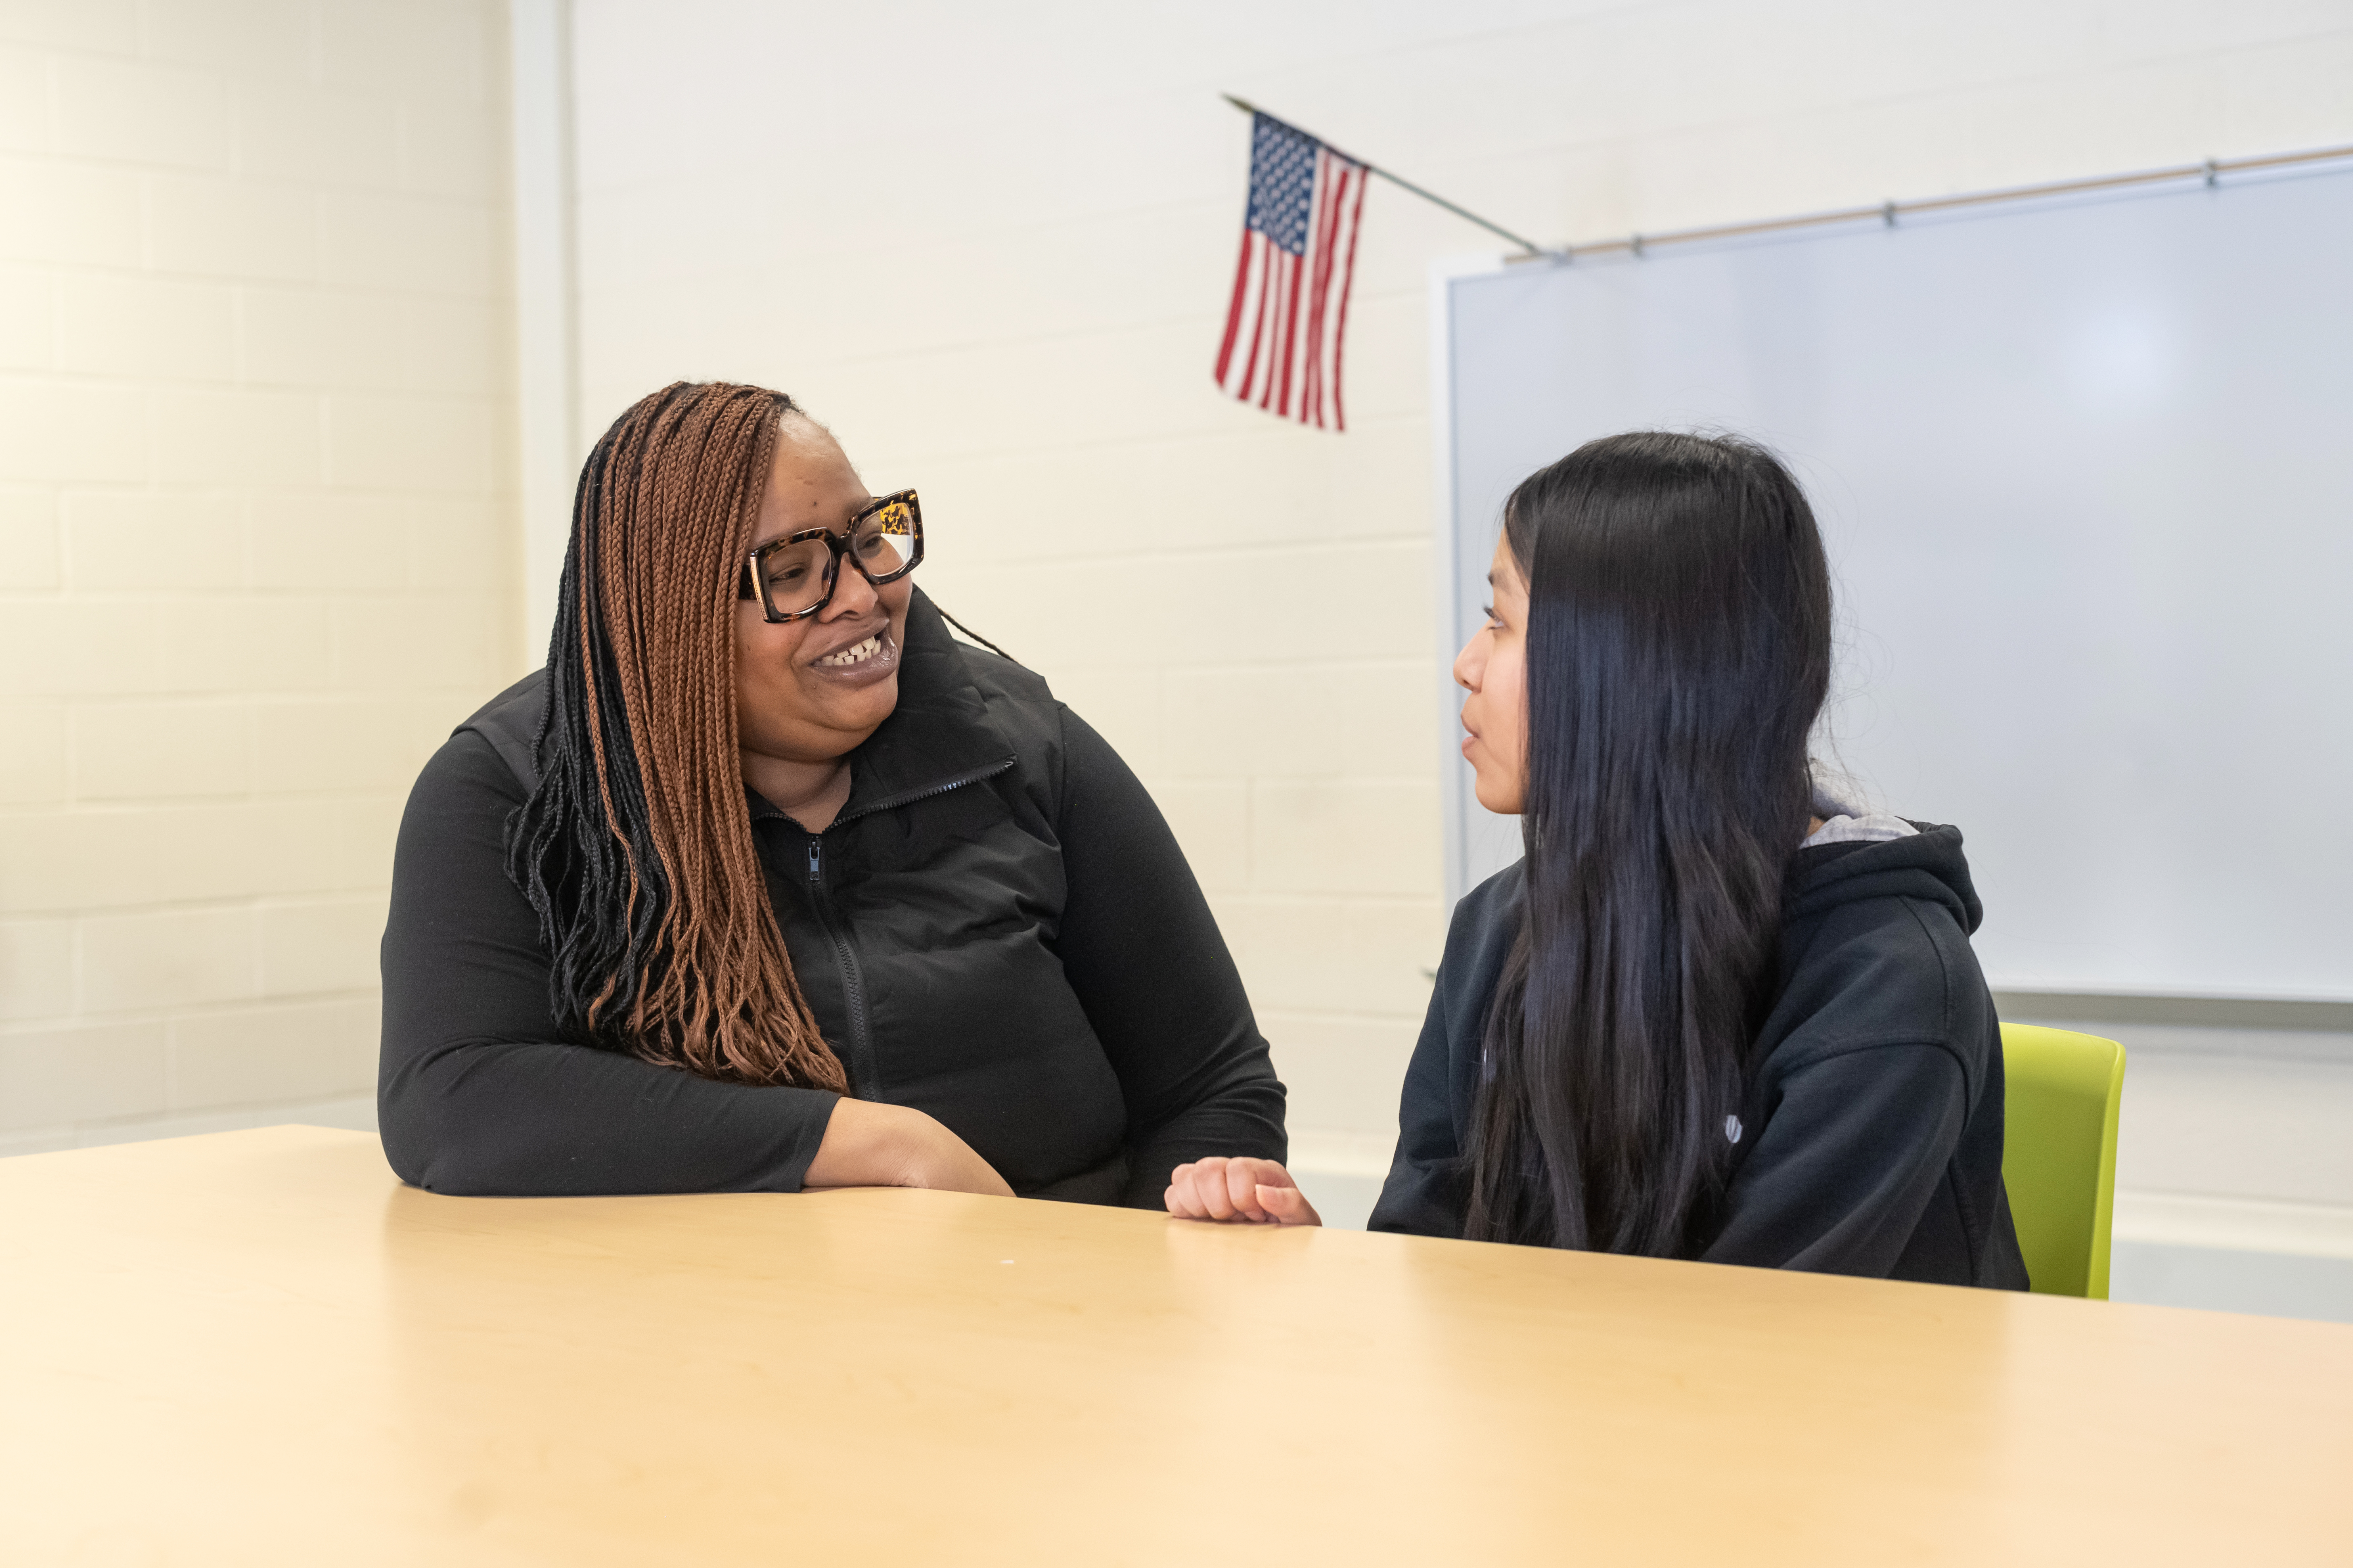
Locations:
1290 312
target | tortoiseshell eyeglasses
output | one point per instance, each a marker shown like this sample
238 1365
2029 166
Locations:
795 577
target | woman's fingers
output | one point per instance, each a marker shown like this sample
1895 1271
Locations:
1198 1191
1183 1201
1243 1179
1215 1189
1201 1191
1256 1192
1288 1205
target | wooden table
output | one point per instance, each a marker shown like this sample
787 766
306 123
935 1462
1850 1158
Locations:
258 1348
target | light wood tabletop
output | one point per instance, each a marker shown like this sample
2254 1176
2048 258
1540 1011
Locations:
260 1348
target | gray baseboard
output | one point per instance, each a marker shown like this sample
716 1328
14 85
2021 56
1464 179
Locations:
1345 1201
2272 1284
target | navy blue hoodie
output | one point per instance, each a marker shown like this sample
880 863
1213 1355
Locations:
1871 1131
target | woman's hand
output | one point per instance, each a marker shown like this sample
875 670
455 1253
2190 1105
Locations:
1256 1191
869 1145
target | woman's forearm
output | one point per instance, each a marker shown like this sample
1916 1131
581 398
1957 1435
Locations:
868 1144
544 1119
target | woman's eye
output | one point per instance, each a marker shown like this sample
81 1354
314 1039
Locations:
792 574
1494 620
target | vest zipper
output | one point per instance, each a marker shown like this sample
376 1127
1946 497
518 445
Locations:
865 1075
896 801
865 1082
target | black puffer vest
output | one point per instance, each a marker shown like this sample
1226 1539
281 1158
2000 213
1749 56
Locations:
923 923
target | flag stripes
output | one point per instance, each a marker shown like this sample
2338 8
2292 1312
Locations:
1288 320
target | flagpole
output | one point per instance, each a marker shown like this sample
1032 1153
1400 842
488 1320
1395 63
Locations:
1530 246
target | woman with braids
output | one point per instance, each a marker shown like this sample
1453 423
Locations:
768 883
1713 1012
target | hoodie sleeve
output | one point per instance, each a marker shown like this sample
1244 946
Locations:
1847 1162
1428 1191
1424 1195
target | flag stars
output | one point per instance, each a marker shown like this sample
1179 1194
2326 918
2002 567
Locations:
1282 184
1290 308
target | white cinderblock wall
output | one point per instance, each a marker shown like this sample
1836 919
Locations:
992 246
255 530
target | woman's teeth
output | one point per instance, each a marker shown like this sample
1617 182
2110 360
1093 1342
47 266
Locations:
856 654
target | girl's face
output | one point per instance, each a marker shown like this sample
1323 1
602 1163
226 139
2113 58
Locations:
1492 667
813 690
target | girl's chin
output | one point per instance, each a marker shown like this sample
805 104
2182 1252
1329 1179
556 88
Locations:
1496 798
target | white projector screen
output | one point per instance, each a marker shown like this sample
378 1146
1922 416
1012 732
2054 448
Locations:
2085 472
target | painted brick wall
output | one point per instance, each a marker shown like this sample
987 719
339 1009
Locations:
256 533
991 245
255 530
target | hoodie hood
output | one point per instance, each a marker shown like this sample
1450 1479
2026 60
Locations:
1927 865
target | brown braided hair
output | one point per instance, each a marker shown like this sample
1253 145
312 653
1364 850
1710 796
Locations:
634 848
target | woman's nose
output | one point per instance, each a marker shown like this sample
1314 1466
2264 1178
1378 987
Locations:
852 594
1466 668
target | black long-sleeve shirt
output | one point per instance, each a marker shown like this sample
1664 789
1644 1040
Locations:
998 930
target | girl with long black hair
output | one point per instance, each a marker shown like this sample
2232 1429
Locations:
1713 1012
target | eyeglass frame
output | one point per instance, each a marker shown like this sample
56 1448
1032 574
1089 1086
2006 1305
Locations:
749 585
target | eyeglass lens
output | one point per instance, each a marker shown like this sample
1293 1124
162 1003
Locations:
884 540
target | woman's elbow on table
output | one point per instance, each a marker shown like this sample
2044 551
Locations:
869 1144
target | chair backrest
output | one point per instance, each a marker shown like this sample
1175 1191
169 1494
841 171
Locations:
2059 1152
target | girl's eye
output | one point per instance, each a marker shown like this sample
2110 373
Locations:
1493 619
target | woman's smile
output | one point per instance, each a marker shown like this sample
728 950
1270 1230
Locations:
857 653
872 657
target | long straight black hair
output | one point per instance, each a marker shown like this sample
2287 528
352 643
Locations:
1678 653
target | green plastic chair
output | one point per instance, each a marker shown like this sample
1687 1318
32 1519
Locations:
2058 1154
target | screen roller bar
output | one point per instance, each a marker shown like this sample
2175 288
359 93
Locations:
2211 171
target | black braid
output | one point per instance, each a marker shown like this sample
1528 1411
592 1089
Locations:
599 898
